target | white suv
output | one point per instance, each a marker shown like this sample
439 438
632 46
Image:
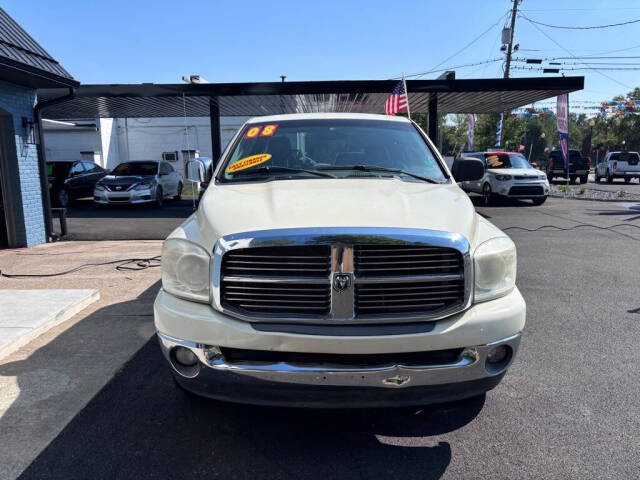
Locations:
508 174
334 261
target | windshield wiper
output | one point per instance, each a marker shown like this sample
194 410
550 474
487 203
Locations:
275 168
374 168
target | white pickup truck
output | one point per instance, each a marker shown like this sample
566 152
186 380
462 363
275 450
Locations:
334 262
619 165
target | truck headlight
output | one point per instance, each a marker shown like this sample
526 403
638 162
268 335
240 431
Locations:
186 270
495 268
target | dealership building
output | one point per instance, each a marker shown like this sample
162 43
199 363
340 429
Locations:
24 67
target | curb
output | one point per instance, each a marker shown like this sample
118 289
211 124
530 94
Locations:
585 199
60 317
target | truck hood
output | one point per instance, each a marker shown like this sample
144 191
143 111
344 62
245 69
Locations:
370 202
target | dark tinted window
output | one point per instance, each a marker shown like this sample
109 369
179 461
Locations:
625 156
91 167
136 168
77 169
58 169
166 168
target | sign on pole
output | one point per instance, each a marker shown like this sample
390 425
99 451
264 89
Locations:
562 114
472 124
499 130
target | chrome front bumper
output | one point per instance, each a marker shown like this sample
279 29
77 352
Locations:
324 385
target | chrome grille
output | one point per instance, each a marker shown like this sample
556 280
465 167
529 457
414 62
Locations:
342 275
289 280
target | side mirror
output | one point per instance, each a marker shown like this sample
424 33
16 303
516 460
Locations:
467 169
195 171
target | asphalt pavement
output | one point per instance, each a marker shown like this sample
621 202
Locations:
90 221
568 407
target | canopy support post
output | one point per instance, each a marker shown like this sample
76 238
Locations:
216 144
433 118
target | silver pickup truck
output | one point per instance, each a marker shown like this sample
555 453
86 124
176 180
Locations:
619 165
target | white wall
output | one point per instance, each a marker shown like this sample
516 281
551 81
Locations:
120 139
67 144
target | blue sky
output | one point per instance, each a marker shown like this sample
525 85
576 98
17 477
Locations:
236 41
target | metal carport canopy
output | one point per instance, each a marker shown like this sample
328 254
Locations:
253 99
214 100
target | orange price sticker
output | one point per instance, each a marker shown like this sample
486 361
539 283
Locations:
268 130
248 162
253 132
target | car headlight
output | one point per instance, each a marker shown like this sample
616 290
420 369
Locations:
186 270
502 178
99 187
142 186
495 268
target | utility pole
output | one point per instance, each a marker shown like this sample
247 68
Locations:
507 65
514 12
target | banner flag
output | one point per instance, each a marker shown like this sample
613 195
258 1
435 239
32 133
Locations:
499 131
563 126
472 125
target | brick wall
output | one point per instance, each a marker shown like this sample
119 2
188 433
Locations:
19 102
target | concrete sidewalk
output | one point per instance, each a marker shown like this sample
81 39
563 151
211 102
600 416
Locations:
26 314
46 382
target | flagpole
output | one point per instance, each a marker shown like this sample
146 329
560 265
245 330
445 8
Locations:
404 82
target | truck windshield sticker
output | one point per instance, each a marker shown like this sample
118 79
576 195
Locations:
248 162
261 131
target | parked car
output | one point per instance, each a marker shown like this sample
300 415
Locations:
334 261
619 165
579 166
509 175
72 179
142 181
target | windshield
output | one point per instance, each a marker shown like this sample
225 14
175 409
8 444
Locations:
304 148
506 160
136 168
625 156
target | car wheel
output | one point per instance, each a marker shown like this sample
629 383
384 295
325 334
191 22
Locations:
597 178
627 179
62 198
550 177
609 177
572 180
487 194
584 179
178 195
539 201
159 197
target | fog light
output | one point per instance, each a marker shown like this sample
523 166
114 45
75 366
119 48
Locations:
185 357
497 354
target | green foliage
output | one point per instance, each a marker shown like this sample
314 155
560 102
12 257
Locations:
563 188
582 190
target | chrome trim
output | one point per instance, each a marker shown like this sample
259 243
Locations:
343 238
264 279
408 279
470 365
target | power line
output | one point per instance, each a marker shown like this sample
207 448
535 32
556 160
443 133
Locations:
572 55
493 60
564 27
465 47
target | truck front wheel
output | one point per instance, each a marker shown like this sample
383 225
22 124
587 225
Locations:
584 179
609 177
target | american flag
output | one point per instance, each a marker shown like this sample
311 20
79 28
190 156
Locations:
397 102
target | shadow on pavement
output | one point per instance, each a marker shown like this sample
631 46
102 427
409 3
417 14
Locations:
85 208
57 380
140 425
